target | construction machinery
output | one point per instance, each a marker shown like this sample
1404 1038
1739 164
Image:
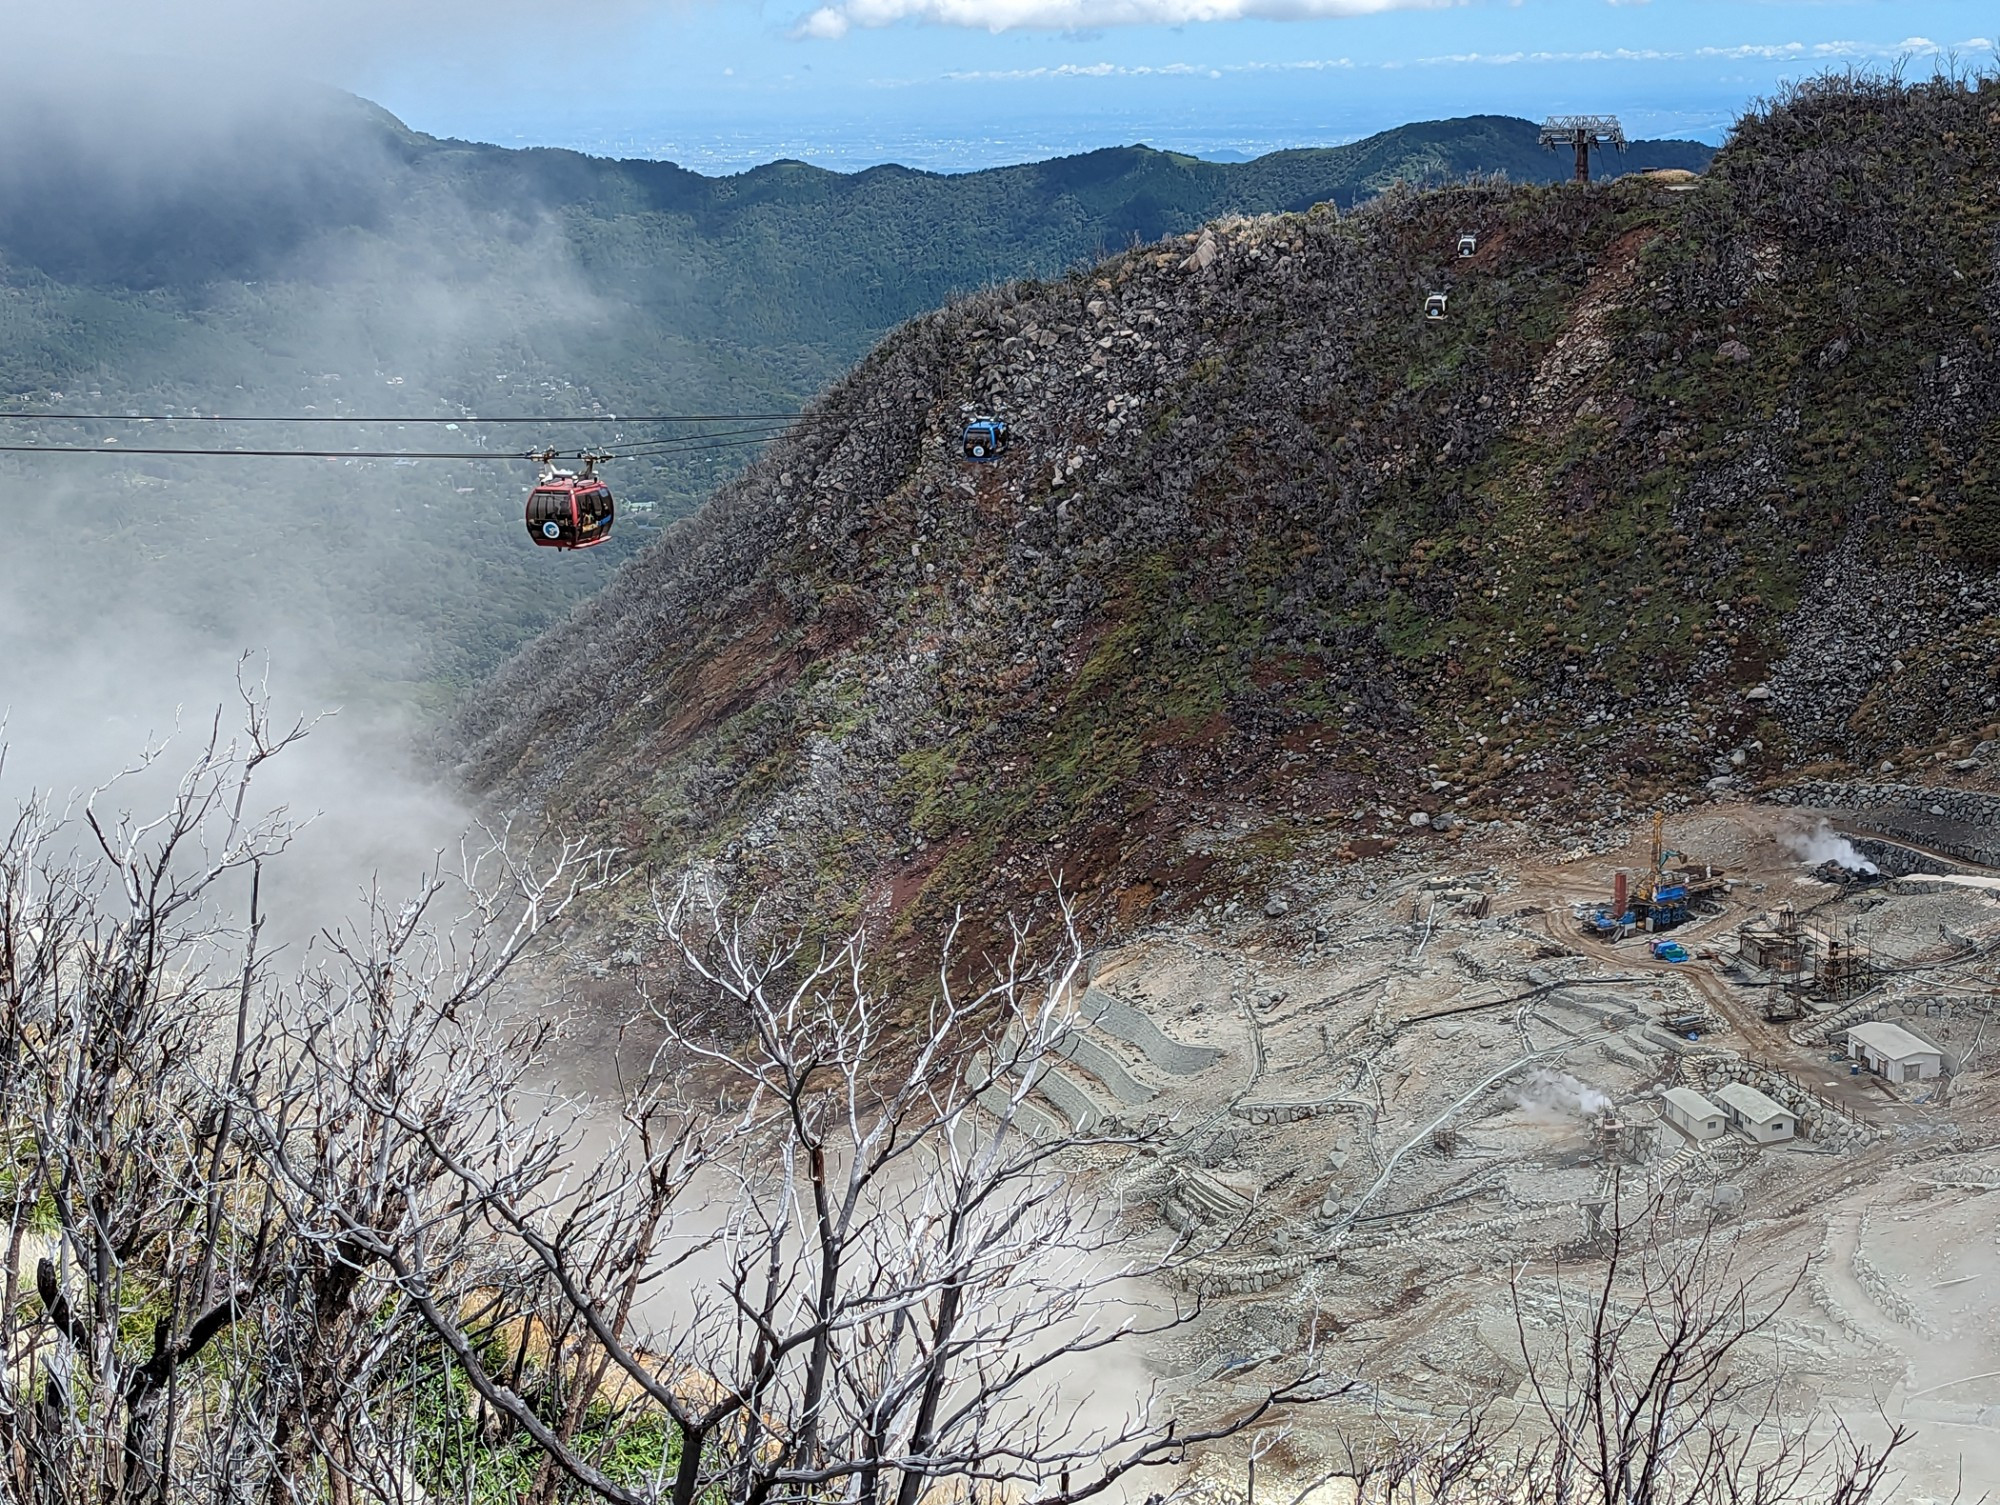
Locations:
1663 897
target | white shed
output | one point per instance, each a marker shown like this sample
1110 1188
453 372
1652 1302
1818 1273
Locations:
1693 1114
1893 1052
1755 1114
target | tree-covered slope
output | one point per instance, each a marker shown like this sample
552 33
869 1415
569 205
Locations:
1686 486
168 245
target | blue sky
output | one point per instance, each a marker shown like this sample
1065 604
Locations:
721 84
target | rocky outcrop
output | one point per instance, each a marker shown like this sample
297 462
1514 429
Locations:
1684 489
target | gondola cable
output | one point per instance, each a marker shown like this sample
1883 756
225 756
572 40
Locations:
565 510
405 418
265 454
692 446
729 438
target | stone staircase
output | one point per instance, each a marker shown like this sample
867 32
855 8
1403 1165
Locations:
1085 1082
1683 1160
1826 1026
1119 1019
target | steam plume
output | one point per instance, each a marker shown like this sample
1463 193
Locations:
1823 844
1557 1094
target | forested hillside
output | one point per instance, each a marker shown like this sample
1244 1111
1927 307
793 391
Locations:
1685 487
165 248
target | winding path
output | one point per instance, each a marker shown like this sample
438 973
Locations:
1423 1135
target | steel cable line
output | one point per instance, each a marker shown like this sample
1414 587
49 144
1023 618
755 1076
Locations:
404 418
691 445
643 448
716 433
693 449
756 428
263 454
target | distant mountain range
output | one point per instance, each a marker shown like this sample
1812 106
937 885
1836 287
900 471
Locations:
164 246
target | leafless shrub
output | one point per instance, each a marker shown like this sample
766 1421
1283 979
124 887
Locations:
327 1239
175 1320
129 1211
1646 1398
887 1285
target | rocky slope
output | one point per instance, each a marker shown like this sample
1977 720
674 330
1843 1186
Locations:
1689 485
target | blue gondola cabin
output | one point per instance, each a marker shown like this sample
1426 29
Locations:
985 438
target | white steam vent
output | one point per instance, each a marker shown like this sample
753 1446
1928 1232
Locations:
1556 1094
1824 844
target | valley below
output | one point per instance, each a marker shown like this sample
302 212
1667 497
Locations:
1413 1106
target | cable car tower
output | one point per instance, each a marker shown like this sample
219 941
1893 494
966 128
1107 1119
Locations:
1583 132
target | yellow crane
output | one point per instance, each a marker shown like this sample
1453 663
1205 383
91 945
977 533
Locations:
1656 869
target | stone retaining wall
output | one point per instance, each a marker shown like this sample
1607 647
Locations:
1959 822
1820 1120
1090 1057
1280 1112
1883 1292
1115 1016
1899 861
1205 1277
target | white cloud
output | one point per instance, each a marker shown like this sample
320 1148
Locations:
1139 70
1800 52
1777 52
1506 59
835 20
1813 51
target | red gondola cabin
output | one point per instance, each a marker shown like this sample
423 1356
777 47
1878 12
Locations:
569 512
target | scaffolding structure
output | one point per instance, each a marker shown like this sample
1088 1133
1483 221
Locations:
1831 966
1583 132
1843 965
1774 942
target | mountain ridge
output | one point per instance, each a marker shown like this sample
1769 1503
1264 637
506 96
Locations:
308 252
1280 559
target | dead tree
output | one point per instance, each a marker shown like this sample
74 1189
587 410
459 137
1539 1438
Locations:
1647 1398
180 1320
388 1077
293 1234
1641 1392
881 1280
122 1019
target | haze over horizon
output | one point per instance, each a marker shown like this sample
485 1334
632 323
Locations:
1226 90
945 85
927 84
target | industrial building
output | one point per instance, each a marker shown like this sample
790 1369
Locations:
1892 1052
1802 962
1773 942
1693 1114
1753 1114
